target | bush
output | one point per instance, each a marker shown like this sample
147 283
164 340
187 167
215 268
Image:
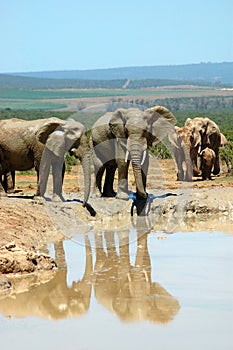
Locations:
160 151
226 155
70 161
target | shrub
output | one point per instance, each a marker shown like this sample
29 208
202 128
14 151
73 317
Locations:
226 155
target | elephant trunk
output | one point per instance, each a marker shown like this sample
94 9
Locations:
86 166
136 156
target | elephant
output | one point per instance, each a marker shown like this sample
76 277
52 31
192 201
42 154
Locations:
125 288
181 152
204 133
69 136
51 298
22 144
192 141
207 162
8 178
124 135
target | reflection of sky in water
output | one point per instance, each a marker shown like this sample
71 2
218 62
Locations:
194 268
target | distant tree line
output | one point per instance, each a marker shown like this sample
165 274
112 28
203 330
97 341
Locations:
202 103
10 81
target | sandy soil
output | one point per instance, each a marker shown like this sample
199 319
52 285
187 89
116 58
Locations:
26 224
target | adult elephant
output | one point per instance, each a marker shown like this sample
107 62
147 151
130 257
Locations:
191 139
70 136
124 135
205 133
22 144
181 152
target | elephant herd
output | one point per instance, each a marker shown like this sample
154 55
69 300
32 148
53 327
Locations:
117 138
202 138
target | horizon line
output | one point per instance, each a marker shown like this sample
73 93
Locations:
113 68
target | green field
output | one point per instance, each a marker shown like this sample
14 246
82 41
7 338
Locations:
30 104
33 94
50 99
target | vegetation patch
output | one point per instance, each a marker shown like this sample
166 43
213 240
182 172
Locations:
30 104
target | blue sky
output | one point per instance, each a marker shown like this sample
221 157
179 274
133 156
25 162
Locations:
89 34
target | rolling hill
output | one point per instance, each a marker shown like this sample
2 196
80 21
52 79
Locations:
211 72
215 74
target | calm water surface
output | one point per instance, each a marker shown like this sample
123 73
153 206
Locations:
130 293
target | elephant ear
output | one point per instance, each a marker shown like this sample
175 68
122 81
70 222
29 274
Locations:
117 123
188 122
223 140
157 112
73 129
162 121
47 128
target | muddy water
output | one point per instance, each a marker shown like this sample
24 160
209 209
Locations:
137 293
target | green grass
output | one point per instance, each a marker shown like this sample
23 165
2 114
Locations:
34 94
29 94
30 104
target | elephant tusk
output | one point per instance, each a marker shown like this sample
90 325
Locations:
126 156
143 157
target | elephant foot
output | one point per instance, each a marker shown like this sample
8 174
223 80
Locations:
122 195
188 179
109 194
96 194
39 199
3 194
58 198
216 171
196 172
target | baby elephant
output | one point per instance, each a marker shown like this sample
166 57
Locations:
207 162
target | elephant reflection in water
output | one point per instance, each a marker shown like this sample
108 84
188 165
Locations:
127 289
53 299
123 288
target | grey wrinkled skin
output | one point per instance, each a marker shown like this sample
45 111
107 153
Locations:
205 133
123 136
207 162
22 144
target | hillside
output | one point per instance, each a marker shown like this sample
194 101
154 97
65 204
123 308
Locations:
209 72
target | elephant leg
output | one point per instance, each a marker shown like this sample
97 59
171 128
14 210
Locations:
122 187
98 182
144 170
216 170
178 155
206 171
2 189
193 156
57 169
186 170
99 169
203 171
9 181
108 190
43 173
63 171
